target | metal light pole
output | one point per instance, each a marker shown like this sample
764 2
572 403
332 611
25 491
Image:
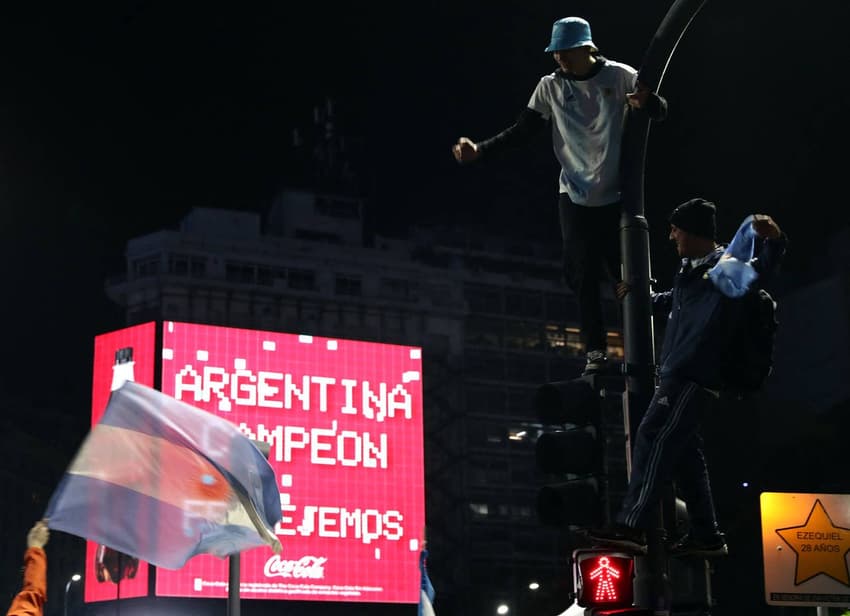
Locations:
234 560
74 578
233 571
653 588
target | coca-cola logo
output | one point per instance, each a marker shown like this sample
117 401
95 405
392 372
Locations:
309 567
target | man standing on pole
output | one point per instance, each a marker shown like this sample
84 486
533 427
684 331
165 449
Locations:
586 101
698 343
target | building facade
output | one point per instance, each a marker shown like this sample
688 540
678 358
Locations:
492 316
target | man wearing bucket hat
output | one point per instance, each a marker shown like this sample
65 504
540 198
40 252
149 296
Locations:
586 101
697 341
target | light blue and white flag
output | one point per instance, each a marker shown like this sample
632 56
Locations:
162 480
427 593
734 273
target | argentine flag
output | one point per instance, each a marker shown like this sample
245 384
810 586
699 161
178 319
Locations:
734 273
163 481
426 598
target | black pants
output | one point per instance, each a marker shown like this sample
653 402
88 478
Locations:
591 237
668 447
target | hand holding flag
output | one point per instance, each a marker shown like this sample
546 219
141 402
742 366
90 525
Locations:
734 273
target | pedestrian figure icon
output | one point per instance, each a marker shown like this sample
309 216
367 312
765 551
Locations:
605 575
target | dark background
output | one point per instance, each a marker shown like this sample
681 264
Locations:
117 118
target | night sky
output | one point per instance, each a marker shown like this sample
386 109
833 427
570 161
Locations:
117 118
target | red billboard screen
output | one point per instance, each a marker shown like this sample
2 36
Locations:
344 422
120 355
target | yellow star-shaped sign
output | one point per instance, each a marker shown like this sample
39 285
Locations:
820 545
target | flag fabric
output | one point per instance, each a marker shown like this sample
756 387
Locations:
427 593
734 273
162 480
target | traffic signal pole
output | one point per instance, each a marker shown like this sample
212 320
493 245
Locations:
639 369
234 605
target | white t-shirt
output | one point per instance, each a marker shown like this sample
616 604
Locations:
587 129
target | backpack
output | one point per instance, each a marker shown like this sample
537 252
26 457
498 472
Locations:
750 358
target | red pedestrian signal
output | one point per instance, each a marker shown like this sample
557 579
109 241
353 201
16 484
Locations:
603 578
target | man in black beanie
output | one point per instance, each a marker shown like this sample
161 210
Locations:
696 216
699 332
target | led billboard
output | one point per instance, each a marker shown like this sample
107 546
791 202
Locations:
124 354
344 422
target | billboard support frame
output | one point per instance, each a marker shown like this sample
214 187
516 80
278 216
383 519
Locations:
233 601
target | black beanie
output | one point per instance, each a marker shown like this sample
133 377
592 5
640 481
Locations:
697 217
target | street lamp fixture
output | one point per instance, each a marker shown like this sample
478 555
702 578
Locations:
74 578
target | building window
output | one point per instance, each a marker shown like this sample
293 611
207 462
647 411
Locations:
304 280
490 471
483 299
520 401
486 434
197 267
308 311
523 304
184 265
178 265
266 307
564 340
392 320
353 316
395 288
486 400
264 276
522 335
148 266
523 476
561 307
312 235
239 272
524 369
615 346
441 295
483 332
267 276
348 285
485 366
338 208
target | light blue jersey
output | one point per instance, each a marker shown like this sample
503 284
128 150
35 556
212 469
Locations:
587 129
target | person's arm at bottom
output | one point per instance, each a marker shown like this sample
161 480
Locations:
30 600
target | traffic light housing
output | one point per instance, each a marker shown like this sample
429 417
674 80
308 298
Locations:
603 579
582 450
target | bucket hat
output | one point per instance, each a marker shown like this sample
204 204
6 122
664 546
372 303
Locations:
569 33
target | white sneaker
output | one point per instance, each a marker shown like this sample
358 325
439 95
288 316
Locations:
597 361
